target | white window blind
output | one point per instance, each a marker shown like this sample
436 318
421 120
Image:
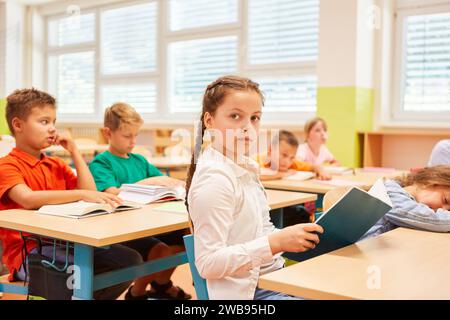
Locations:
141 96
195 63
110 53
282 31
186 14
75 29
71 79
426 75
289 94
128 41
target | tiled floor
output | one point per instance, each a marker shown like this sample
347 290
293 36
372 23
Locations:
181 277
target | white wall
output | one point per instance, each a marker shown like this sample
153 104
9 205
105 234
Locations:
346 43
337 39
2 48
14 46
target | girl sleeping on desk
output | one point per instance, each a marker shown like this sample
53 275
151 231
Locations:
420 200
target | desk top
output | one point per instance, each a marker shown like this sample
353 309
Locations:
280 199
411 264
170 162
363 180
121 226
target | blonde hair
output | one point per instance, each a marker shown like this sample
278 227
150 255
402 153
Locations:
120 114
431 177
312 122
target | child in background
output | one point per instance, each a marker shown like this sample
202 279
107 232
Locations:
314 149
29 179
283 163
235 241
440 154
420 200
119 165
281 160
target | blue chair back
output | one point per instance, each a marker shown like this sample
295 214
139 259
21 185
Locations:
199 283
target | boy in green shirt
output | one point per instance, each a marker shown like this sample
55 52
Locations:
117 166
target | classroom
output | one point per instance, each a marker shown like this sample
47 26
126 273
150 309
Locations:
224 150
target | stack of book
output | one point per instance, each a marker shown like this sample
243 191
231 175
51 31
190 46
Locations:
144 194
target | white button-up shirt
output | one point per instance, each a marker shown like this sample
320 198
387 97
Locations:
230 215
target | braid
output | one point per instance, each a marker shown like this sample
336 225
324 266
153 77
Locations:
197 148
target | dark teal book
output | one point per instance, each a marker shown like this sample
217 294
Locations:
349 219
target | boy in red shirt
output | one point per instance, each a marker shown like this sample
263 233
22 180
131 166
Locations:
29 179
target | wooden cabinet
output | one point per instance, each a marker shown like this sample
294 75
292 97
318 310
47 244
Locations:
399 149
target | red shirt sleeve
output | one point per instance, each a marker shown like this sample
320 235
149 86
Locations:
10 176
69 176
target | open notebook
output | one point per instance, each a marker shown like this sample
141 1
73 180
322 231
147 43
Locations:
144 194
300 176
83 209
350 218
338 170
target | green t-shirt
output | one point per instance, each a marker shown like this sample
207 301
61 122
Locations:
109 170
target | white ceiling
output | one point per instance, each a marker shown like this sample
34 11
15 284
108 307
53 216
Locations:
34 2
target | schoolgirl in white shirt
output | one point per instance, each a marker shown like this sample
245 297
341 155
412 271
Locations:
235 241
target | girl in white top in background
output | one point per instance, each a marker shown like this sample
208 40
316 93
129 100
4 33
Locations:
235 241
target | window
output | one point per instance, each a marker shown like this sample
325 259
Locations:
71 63
283 39
128 42
424 73
195 63
87 76
73 80
187 14
283 31
159 55
289 94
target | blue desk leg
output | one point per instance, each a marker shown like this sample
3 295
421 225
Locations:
276 216
319 205
84 264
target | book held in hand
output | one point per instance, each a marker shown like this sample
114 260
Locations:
346 221
144 194
83 209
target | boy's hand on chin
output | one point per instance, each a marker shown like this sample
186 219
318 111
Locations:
65 140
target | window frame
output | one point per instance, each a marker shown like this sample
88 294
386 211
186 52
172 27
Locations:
397 112
160 77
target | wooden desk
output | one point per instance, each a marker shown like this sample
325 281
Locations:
402 149
122 226
411 264
115 228
364 180
170 162
96 231
101 231
280 199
